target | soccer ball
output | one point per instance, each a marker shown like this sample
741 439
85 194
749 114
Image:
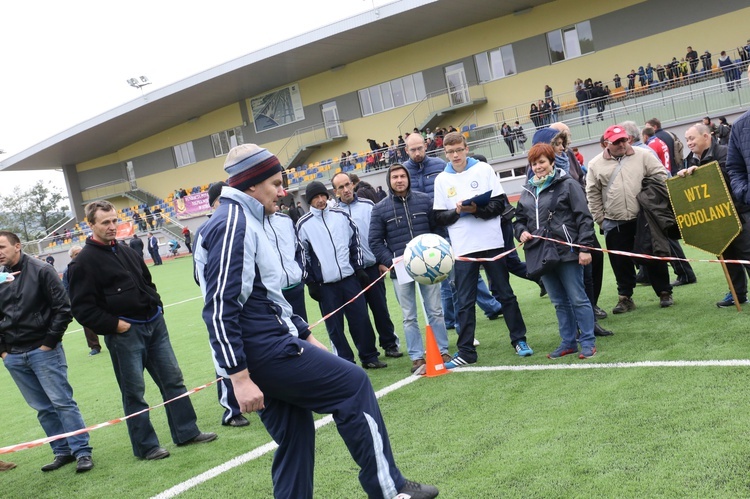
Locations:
428 258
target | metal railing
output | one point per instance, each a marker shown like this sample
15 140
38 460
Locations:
440 101
307 136
107 189
693 81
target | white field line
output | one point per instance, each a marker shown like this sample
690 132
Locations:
271 446
165 306
262 450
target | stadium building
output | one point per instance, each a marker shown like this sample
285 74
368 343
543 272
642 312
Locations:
410 64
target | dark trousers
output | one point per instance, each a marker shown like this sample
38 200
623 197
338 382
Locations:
298 379
155 256
92 339
593 275
739 249
466 292
296 298
622 238
376 300
335 294
683 270
147 346
227 399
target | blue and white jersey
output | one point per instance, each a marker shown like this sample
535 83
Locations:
283 237
241 280
330 239
361 212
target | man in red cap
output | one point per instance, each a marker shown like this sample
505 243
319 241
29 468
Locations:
614 179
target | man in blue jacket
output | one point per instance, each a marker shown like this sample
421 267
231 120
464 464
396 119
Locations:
396 220
360 210
333 257
277 366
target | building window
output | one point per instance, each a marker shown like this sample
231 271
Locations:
392 94
569 42
495 64
224 141
184 154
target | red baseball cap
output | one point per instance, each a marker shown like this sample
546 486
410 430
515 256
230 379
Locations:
615 133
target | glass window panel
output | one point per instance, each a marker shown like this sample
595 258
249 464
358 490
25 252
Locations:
409 90
364 101
555 43
496 63
216 144
397 89
509 61
385 92
376 99
572 48
419 86
585 37
224 143
483 67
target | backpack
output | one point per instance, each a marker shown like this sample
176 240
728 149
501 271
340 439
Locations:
679 155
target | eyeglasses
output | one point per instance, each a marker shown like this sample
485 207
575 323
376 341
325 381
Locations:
454 151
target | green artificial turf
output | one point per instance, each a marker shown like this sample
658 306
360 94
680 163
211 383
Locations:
626 432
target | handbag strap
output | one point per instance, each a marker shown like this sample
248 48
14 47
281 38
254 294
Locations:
553 203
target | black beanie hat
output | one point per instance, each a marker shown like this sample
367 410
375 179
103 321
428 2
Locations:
313 189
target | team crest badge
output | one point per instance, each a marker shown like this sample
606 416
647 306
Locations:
451 192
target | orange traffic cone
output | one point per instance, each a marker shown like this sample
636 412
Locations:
434 363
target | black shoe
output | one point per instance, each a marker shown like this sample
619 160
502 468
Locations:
201 438
600 331
494 317
393 352
414 490
599 313
58 463
237 421
156 453
85 463
375 364
542 290
682 282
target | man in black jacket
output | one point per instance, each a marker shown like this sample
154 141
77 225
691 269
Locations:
704 150
136 244
36 312
111 292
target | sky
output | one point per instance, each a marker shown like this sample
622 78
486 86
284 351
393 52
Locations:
66 62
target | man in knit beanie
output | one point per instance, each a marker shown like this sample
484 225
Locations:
334 260
276 365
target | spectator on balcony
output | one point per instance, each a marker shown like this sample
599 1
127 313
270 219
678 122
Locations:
642 76
544 112
519 136
553 109
56 238
631 80
183 192
649 74
373 144
158 217
692 59
711 126
582 96
138 220
706 62
547 92
617 80
661 73
68 234
507 134
370 162
402 149
534 116
149 217
430 145
428 134
731 73
723 132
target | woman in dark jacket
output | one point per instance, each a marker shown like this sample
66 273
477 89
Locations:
571 222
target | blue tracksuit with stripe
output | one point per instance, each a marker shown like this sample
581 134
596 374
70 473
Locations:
251 326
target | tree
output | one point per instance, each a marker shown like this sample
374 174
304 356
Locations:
34 212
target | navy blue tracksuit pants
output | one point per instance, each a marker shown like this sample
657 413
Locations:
375 298
298 379
332 296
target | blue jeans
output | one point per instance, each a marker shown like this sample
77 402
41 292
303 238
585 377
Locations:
42 378
466 292
147 346
406 296
584 110
568 294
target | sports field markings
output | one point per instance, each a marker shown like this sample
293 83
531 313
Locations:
165 306
271 446
262 450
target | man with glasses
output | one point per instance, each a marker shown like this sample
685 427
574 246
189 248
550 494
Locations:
613 181
475 232
360 210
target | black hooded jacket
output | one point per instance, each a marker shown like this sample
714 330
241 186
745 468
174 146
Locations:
396 220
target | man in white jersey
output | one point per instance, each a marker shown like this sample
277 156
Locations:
474 230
